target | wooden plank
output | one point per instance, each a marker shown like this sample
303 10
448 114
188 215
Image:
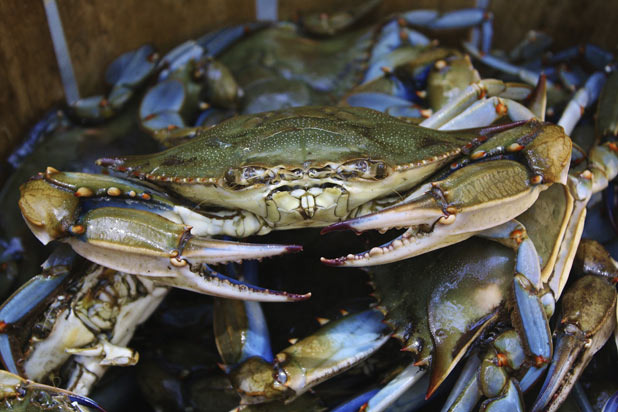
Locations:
29 77
99 30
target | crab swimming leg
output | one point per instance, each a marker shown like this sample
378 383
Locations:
133 228
475 94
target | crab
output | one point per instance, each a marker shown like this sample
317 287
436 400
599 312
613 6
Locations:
301 167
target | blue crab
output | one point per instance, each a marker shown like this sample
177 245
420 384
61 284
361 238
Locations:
136 228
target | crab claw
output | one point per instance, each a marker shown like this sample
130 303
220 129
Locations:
450 211
473 198
587 323
140 234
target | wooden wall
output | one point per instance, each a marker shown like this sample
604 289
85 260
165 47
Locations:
99 30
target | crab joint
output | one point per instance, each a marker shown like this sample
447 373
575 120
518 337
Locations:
178 262
77 229
540 361
501 360
501 109
517 235
114 191
84 192
447 220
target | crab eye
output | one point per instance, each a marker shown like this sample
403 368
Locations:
380 170
230 177
364 169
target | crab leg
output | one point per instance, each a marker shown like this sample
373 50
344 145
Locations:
487 111
587 323
397 388
489 376
333 349
466 392
528 76
473 93
582 99
98 217
126 74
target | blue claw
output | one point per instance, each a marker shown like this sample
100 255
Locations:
178 57
131 68
161 106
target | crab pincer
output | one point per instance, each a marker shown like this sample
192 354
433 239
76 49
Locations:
133 228
476 196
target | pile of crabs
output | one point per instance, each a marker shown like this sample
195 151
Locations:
469 196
